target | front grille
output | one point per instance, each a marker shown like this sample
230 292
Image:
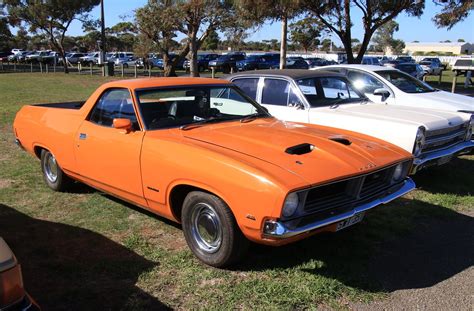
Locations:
344 195
445 138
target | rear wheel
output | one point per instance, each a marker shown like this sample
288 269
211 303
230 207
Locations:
211 231
53 175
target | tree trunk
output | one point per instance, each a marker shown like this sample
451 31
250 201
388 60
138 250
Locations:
284 31
193 47
168 66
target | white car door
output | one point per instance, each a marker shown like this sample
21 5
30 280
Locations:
277 95
282 100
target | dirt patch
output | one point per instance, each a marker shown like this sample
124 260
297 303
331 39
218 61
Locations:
5 183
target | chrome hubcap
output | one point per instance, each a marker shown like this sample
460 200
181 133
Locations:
51 168
206 228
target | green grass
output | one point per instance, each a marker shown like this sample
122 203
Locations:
85 250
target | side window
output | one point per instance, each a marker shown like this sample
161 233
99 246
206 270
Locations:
249 86
334 88
364 82
113 104
275 92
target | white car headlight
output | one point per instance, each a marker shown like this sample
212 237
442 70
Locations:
419 141
291 204
470 128
398 172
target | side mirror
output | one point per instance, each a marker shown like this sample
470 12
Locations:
123 124
382 92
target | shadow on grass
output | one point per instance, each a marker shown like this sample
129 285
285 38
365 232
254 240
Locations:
456 177
69 268
409 245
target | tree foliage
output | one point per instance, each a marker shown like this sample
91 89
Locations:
336 15
306 33
383 38
453 12
48 17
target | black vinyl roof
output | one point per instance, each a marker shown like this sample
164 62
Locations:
287 73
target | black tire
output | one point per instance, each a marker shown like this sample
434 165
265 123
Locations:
226 69
229 243
125 65
57 181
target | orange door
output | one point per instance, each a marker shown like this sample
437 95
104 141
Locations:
109 158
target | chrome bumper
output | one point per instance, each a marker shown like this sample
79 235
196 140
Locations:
433 158
280 230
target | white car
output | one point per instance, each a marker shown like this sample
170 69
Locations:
327 98
398 88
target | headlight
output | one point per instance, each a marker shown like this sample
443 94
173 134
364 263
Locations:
291 205
419 141
470 128
398 172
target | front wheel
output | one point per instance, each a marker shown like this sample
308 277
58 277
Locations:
211 231
53 175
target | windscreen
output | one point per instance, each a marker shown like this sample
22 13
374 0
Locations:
175 107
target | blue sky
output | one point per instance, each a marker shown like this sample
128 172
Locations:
411 28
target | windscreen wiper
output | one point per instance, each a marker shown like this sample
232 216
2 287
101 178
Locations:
251 117
199 123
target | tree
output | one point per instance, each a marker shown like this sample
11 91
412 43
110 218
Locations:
326 45
159 21
383 37
397 46
211 42
306 32
273 10
461 40
51 18
453 12
336 15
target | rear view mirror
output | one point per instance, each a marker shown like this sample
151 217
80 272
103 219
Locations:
382 92
123 124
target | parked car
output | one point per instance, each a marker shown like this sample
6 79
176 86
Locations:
370 60
16 51
405 59
158 62
318 62
13 295
431 68
72 58
202 154
328 98
127 59
398 88
36 56
435 60
391 63
413 70
202 61
227 62
4 56
90 58
250 62
21 57
296 63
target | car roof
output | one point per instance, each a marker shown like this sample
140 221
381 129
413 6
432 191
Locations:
287 73
163 82
359 66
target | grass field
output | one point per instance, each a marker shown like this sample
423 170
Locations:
85 250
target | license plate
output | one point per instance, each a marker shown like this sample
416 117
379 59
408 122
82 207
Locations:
444 160
349 221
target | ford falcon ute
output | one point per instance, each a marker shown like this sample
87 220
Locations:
327 98
200 152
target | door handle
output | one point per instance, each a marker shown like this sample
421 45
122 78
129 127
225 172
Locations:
82 136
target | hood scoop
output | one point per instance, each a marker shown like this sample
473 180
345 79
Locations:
300 149
341 140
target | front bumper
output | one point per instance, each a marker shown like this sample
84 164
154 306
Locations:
282 230
442 156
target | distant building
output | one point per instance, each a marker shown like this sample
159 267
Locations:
455 48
